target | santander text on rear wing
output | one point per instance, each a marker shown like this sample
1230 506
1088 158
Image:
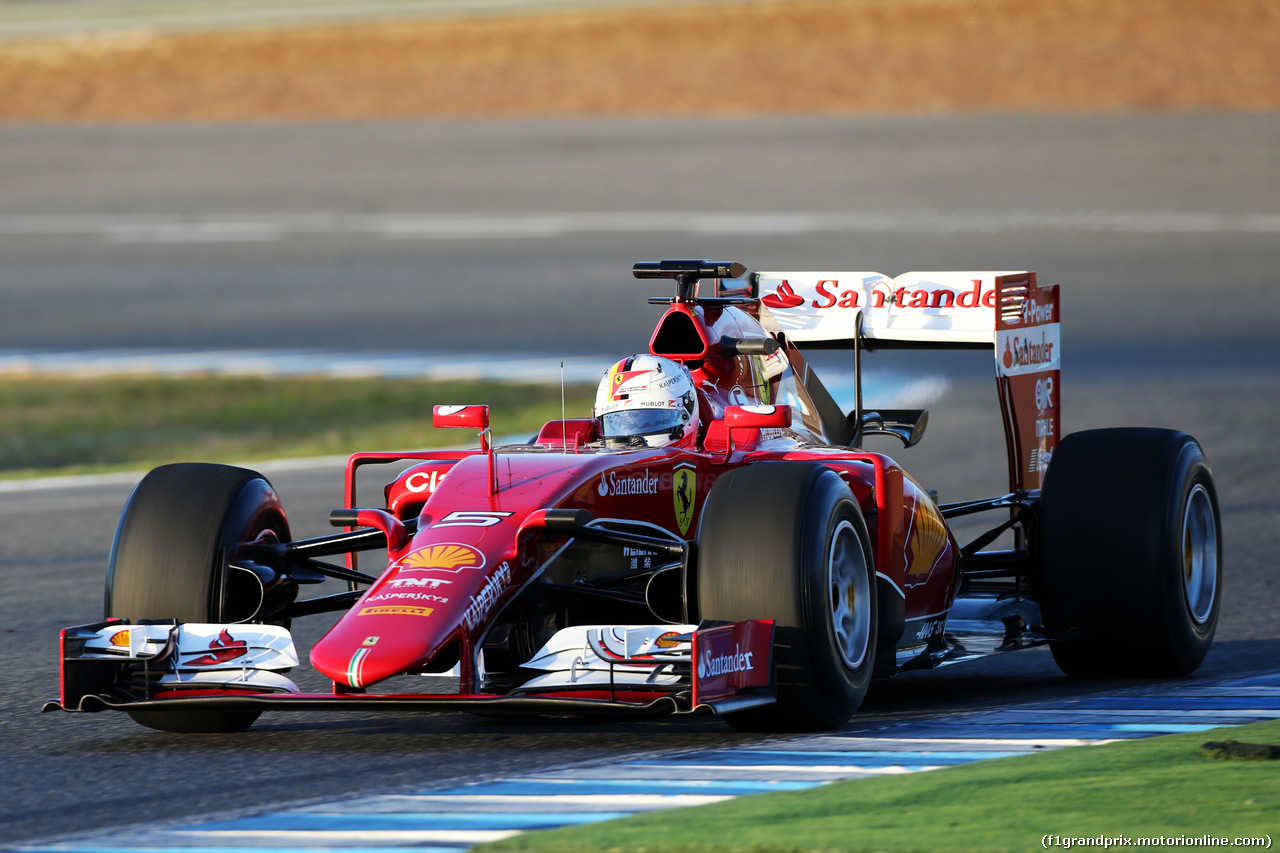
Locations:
1005 311
930 309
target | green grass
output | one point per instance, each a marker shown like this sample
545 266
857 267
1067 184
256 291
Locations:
1160 786
72 425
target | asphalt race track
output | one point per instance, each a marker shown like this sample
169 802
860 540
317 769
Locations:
486 237
452 819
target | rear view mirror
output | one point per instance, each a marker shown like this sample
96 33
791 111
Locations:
757 417
906 425
460 417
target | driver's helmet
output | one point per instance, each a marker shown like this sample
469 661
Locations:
646 400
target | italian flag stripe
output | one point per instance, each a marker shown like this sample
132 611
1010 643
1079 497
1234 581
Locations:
353 670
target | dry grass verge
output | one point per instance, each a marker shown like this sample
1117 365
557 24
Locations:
72 425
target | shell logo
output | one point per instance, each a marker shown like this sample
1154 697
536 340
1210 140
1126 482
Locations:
928 541
449 557
120 638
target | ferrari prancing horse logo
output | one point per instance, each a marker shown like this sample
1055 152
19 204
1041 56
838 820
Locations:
685 489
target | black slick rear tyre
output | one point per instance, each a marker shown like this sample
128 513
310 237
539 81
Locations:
1131 553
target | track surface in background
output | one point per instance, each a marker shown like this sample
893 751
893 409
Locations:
1168 320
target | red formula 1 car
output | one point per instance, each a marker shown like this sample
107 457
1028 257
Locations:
713 540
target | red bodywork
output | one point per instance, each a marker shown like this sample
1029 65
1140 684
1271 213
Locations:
478 541
481 543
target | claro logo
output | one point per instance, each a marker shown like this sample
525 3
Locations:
421 481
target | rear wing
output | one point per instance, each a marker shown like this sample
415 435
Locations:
1006 312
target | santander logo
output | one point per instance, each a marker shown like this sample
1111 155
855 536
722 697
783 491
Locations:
640 484
221 650
710 665
1027 351
784 297
828 293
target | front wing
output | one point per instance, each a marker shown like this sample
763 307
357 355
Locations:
607 671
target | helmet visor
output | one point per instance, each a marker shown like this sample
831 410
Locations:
641 422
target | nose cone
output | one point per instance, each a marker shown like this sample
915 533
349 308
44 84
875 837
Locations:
373 643
424 603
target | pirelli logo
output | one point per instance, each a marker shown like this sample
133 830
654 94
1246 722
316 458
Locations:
395 610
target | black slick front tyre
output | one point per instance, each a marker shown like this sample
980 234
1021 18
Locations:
170 560
787 541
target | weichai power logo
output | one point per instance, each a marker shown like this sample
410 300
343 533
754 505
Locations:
447 556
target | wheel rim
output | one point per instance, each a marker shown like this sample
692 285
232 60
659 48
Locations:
850 595
1199 554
